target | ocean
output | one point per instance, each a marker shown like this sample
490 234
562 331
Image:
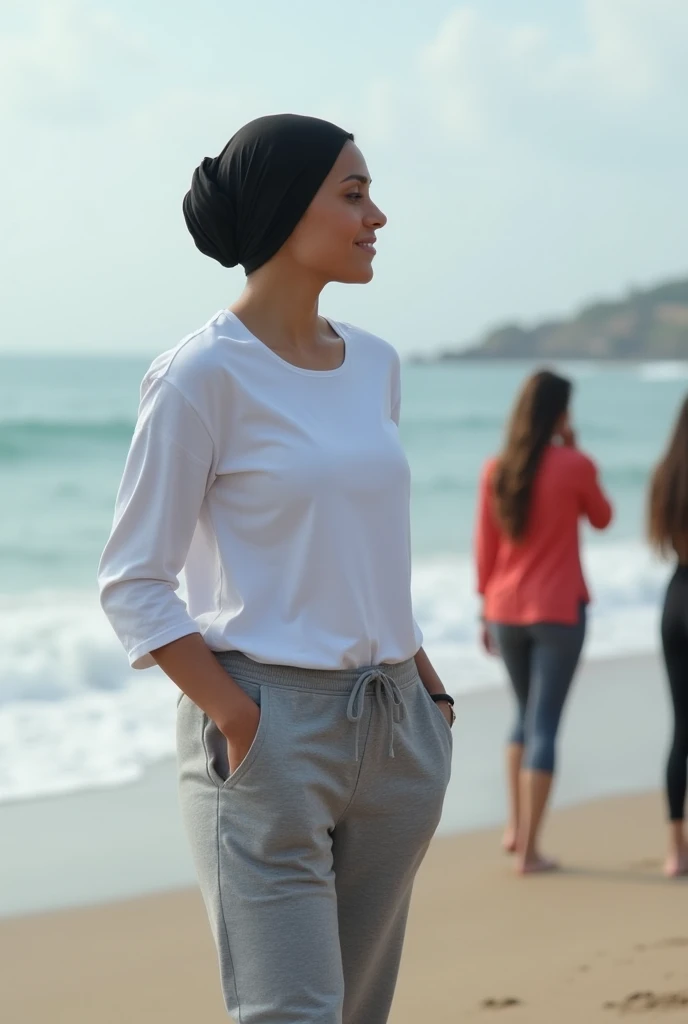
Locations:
72 714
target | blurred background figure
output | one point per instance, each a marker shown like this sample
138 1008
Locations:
530 577
668 533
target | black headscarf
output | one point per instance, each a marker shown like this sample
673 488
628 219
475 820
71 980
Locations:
244 204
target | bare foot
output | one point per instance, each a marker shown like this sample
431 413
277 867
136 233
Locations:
676 865
509 839
534 864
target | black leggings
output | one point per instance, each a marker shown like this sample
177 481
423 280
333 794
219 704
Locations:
675 646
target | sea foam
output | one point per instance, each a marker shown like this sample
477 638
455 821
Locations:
74 715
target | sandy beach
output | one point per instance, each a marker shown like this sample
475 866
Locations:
605 937
100 921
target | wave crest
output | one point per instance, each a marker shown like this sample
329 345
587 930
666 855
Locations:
74 715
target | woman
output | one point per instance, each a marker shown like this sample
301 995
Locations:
313 733
530 577
668 532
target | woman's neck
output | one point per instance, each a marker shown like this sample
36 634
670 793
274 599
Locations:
282 309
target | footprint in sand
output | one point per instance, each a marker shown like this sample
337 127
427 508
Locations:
677 943
500 1004
643 1002
671 943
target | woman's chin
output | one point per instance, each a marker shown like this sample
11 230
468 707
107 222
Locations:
357 275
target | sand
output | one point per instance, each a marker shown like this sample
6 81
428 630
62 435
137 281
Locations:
125 940
606 938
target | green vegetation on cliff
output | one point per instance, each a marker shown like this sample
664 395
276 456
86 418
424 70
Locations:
649 324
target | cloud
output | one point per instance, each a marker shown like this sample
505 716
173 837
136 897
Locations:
523 164
56 67
493 85
636 50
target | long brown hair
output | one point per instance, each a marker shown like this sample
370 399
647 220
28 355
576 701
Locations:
543 399
667 513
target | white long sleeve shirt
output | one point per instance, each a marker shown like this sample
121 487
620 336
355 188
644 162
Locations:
282 493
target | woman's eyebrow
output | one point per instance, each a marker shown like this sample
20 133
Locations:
357 177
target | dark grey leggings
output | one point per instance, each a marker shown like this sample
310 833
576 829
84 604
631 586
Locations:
675 647
541 661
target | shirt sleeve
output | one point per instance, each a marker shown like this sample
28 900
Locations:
487 532
595 504
166 477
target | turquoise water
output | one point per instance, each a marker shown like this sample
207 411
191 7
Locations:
65 425
72 713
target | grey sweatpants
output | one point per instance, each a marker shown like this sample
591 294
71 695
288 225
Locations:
307 853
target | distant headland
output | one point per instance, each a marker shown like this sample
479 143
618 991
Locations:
646 324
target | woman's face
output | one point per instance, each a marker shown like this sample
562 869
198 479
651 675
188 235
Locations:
336 236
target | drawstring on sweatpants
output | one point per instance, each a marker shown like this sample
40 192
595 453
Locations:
388 698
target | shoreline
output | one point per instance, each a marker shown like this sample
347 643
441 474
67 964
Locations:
101 845
446 666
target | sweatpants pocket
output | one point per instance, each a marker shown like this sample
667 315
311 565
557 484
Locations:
438 711
215 743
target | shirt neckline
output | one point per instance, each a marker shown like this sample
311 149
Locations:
336 327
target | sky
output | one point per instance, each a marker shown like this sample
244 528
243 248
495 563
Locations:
530 156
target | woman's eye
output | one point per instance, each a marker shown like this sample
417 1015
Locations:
355 196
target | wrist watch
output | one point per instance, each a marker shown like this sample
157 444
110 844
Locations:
445 698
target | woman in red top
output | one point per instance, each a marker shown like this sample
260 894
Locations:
530 577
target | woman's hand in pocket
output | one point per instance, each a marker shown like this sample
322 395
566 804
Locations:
242 732
447 710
